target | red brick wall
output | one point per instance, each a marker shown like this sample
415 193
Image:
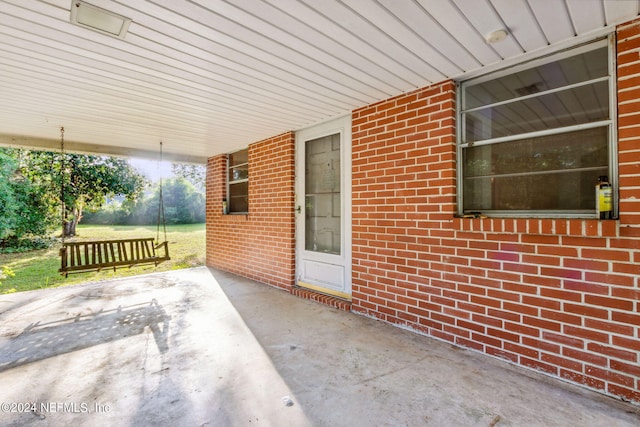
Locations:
259 245
560 296
628 58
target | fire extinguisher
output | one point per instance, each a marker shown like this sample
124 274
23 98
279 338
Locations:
604 198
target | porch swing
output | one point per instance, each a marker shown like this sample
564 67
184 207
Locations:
96 255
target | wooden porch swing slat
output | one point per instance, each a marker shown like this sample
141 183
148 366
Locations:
77 257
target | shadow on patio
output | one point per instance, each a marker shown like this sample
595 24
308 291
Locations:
222 351
43 340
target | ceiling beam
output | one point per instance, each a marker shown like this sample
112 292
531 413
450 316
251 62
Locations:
49 144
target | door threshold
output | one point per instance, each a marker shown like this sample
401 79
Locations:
322 298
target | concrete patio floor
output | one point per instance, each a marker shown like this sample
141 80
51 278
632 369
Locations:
200 347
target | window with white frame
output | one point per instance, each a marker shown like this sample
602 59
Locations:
534 139
238 182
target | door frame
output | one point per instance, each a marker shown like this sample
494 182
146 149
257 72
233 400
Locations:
340 125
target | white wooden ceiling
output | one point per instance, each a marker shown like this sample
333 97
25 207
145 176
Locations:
212 76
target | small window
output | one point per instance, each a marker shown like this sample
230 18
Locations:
534 140
238 180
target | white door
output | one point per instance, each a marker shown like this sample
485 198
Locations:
323 206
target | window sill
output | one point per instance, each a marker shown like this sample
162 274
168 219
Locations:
549 226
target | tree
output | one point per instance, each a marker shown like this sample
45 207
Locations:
8 206
81 181
182 203
25 208
195 174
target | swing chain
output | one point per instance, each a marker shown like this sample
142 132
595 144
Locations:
161 206
62 171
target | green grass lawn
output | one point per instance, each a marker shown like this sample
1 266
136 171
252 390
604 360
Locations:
39 269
